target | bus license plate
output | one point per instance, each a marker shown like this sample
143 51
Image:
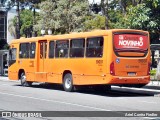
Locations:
131 73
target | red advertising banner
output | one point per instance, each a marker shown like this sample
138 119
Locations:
130 41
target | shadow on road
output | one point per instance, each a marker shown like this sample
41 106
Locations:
152 87
114 92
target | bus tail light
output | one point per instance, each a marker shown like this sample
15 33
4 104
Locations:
148 71
112 70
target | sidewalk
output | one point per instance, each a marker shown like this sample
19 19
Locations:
4 78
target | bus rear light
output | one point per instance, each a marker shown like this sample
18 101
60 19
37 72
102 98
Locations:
148 70
112 70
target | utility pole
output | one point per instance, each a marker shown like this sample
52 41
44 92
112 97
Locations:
18 20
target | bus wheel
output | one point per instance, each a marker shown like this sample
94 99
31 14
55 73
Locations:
24 82
68 83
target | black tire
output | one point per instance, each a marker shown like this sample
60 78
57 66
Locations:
68 83
23 80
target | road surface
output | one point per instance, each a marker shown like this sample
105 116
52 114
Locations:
40 97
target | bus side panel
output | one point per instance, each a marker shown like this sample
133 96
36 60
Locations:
51 68
89 70
83 71
13 75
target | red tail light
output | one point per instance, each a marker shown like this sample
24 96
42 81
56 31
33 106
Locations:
112 70
148 71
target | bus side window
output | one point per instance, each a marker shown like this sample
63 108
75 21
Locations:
51 49
12 56
61 50
77 48
94 47
32 49
24 50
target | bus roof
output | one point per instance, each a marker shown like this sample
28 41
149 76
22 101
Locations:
74 35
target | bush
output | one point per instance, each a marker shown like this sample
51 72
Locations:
153 72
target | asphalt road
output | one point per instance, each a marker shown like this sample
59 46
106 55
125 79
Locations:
14 97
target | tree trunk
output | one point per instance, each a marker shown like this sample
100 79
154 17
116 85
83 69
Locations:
18 20
104 6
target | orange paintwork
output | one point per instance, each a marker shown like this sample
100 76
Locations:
85 71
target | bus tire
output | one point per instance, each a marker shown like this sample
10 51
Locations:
68 83
23 80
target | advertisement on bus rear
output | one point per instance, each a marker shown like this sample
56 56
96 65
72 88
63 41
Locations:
130 41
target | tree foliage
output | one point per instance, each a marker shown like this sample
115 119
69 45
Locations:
26 20
63 15
94 21
136 14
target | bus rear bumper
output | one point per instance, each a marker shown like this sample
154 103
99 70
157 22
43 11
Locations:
129 80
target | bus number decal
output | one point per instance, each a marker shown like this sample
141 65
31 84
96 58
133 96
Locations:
99 62
142 61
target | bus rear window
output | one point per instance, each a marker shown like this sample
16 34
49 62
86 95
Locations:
130 44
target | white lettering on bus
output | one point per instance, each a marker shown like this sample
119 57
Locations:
130 43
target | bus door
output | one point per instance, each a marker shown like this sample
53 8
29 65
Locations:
41 75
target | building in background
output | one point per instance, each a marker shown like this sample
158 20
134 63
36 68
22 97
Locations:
5 36
3 24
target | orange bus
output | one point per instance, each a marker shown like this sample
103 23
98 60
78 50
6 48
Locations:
99 58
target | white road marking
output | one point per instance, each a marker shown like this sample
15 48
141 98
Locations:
78 104
148 102
55 101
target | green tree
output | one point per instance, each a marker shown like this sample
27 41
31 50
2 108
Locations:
94 21
26 21
136 14
145 16
154 5
138 17
63 15
47 16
